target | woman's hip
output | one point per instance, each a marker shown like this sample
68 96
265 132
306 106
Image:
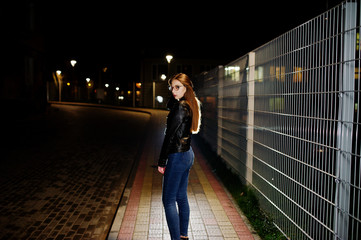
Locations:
181 160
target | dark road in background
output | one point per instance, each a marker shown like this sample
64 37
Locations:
63 172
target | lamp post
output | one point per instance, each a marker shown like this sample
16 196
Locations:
89 85
76 90
169 59
58 74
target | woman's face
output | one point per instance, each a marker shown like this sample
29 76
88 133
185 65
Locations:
178 89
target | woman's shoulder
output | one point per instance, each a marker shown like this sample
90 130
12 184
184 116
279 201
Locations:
181 106
184 107
184 104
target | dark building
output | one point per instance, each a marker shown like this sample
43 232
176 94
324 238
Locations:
23 81
155 73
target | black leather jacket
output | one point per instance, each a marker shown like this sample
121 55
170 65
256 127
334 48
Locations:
178 132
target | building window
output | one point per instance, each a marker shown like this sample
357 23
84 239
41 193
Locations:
187 69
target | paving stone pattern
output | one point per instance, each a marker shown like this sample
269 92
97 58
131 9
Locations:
213 214
63 173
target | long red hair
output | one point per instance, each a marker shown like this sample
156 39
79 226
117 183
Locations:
191 99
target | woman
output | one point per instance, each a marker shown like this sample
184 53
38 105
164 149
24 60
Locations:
176 157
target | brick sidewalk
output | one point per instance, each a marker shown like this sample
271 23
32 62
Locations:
213 214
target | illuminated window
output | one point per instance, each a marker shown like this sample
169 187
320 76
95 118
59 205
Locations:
278 73
357 70
259 74
297 74
232 73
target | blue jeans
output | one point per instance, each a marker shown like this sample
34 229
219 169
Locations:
175 183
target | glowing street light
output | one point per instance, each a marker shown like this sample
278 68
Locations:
160 99
58 73
169 58
163 77
87 80
73 62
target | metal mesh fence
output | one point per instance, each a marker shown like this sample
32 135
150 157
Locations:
288 124
208 95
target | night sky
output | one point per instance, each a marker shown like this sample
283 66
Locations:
120 33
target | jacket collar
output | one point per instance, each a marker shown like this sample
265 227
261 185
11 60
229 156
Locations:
172 101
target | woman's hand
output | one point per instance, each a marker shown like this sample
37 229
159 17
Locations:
161 170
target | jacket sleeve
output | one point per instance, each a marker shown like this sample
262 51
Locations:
177 118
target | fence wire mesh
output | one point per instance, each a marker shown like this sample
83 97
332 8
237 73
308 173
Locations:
286 118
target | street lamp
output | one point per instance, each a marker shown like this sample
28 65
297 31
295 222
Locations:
58 73
169 58
74 80
73 62
89 86
160 99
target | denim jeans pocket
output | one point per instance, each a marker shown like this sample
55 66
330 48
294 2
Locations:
180 161
188 158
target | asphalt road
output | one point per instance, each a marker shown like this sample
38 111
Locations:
63 172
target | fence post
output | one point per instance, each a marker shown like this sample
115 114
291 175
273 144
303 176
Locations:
345 123
250 119
220 111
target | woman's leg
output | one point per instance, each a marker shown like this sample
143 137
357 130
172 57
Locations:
175 183
183 205
182 197
171 182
